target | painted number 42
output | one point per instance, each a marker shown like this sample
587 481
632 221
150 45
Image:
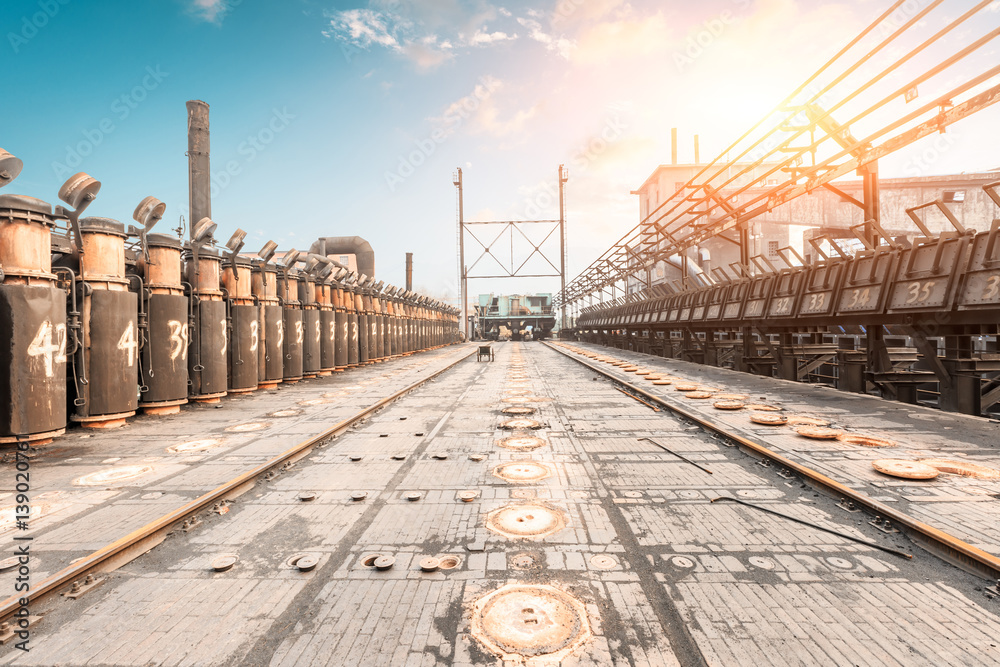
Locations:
51 351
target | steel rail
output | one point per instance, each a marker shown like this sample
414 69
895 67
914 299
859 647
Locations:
145 538
956 550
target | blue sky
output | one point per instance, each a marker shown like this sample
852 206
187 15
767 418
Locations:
343 118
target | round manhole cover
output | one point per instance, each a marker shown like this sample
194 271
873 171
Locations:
449 562
604 562
689 494
530 520
359 495
905 469
307 496
728 405
762 407
519 423
632 494
224 562
288 412
819 432
682 562
413 496
248 426
522 471
685 387
523 561
307 562
522 493
963 468
841 563
731 397
768 419
518 392
384 562
113 475
477 457
866 441
467 496
429 564
806 420
762 563
530 621
194 446
355 457
522 443
519 410
698 394
439 456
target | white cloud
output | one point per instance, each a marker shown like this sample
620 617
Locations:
560 45
211 11
489 38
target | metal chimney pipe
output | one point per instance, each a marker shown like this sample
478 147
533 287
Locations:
697 159
199 167
673 146
409 270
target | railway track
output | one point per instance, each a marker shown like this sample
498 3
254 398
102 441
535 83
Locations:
140 541
941 543
534 494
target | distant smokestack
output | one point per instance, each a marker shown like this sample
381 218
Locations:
199 167
697 159
409 271
673 145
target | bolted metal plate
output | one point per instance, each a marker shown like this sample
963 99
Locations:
603 562
530 621
528 520
520 423
521 472
522 443
112 475
194 446
905 469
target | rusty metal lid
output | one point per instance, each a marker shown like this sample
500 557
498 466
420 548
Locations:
307 496
163 241
103 226
359 495
413 496
224 562
384 562
467 496
429 564
25 203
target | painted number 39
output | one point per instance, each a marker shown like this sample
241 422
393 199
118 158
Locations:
51 351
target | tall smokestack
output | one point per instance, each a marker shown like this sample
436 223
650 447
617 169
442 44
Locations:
673 145
697 158
409 271
199 167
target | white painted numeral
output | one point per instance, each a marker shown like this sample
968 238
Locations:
298 333
254 337
51 353
128 344
178 339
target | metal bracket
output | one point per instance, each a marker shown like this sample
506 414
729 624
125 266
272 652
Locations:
79 588
885 527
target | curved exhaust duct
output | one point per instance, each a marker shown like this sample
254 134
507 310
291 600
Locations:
347 245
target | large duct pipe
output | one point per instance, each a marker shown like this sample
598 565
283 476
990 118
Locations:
347 245
199 167
673 146
409 270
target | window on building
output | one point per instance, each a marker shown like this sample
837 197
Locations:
678 185
772 249
344 259
954 196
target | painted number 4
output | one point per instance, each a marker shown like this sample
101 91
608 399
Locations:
51 352
128 344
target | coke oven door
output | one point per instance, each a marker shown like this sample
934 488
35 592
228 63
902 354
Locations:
213 345
164 356
274 342
114 353
243 344
33 358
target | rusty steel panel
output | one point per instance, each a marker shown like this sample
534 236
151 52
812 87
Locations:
274 343
33 352
353 345
362 338
292 348
925 275
244 342
207 356
164 371
981 288
311 340
112 364
342 327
